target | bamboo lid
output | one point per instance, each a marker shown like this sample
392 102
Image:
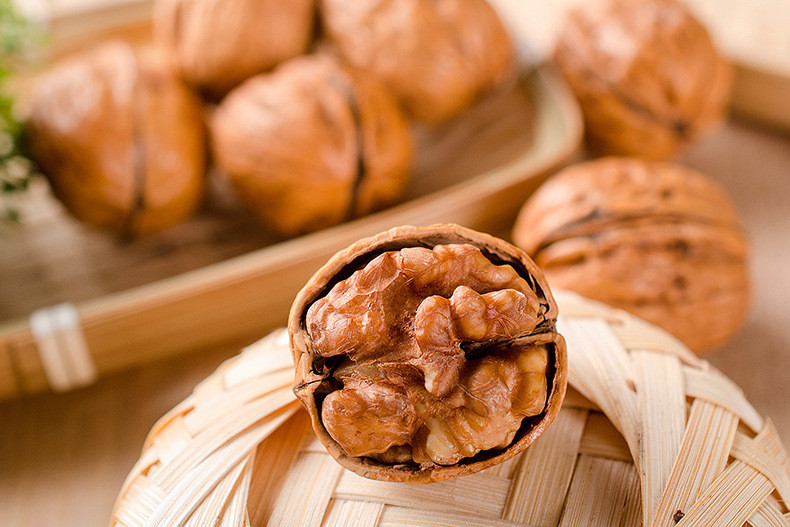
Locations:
648 435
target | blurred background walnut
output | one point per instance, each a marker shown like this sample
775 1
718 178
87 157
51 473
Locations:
646 73
312 144
120 139
658 240
437 56
217 44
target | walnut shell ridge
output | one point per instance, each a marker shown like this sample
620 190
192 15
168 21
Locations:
647 75
120 138
312 144
314 380
661 241
437 56
217 44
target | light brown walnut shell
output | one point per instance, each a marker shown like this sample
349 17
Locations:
646 73
217 44
658 240
312 144
437 56
120 138
426 353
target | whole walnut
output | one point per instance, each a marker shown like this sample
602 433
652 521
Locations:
217 44
437 56
646 73
311 145
120 139
658 240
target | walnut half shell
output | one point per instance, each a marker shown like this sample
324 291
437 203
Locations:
427 353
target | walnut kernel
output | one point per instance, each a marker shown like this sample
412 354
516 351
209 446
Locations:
436 357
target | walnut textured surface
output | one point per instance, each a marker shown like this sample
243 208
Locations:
646 73
217 44
120 139
658 240
427 353
311 145
437 56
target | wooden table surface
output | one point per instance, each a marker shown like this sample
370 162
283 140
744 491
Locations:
63 457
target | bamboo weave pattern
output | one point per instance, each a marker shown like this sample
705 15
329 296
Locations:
648 435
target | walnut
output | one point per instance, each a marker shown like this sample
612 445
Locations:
427 353
217 44
312 144
646 73
120 139
658 240
437 56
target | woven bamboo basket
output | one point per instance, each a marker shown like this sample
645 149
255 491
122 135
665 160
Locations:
648 435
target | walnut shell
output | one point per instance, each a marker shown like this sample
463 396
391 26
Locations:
312 144
646 73
120 139
217 44
425 353
437 56
658 240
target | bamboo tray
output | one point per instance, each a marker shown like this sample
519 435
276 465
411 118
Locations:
649 434
219 279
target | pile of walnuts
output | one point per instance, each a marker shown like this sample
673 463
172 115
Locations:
311 125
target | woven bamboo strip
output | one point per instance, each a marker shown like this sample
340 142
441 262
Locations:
574 399
735 495
481 494
746 450
405 517
601 493
273 459
504 469
602 372
659 381
541 480
601 439
714 387
702 457
343 513
306 491
768 515
221 499
238 452
199 479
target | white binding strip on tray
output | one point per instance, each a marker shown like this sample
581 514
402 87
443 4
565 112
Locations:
62 347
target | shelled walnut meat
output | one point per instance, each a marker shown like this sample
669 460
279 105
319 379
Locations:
120 139
217 44
312 144
646 73
427 353
658 240
437 56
